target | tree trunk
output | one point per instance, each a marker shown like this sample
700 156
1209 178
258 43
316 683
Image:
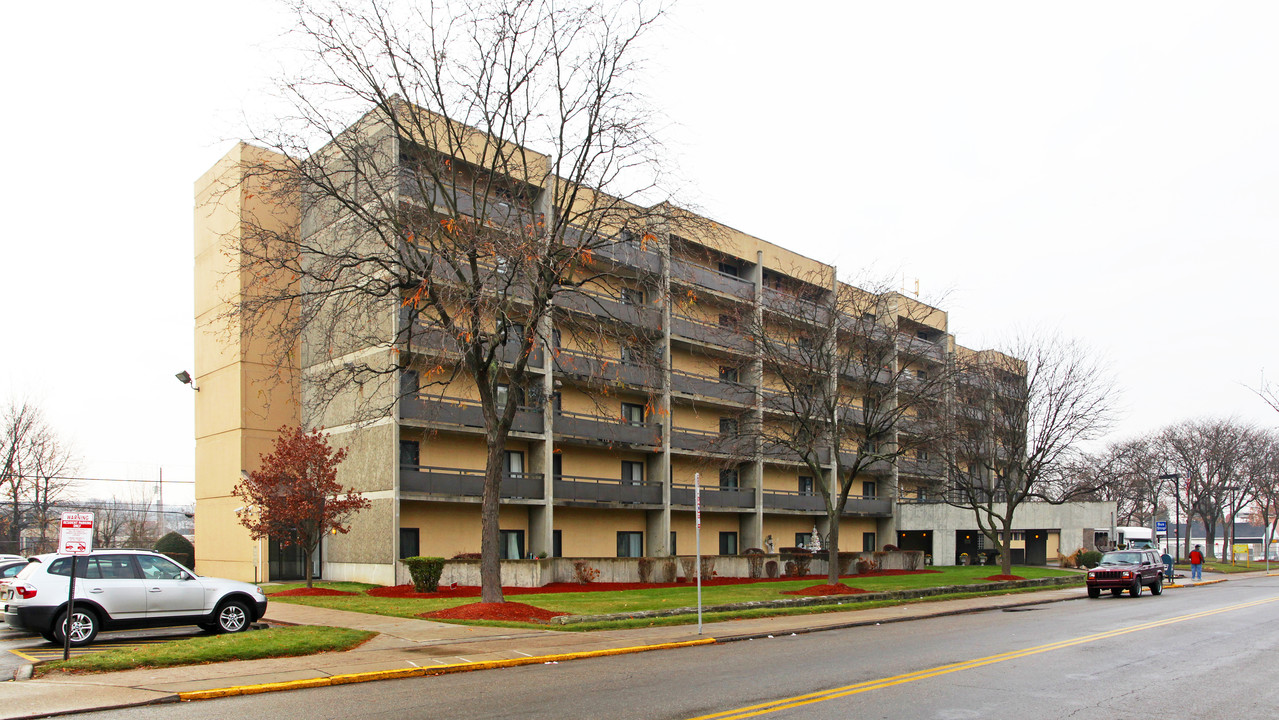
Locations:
832 553
306 560
490 535
1005 547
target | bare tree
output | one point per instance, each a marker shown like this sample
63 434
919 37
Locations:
1030 411
854 380
33 475
1212 457
457 172
1124 473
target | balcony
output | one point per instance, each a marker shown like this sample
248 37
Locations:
607 430
917 347
426 192
794 500
710 386
435 340
713 496
782 453
867 506
694 440
794 306
691 273
700 331
600 304
459 412
629 253
461 482
579 489
921 468
591 367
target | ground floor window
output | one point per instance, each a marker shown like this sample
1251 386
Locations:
289 563
630 543
868 542
728 543
409 543
672 548
803 540
557 541
512 545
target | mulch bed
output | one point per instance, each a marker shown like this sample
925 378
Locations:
1002 578
825 590
310 592
465 591
505 611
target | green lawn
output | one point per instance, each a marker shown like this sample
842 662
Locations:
1226 567
253 645
622 601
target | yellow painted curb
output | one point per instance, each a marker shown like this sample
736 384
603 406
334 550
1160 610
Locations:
424 671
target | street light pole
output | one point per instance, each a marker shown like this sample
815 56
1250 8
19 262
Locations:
1176 493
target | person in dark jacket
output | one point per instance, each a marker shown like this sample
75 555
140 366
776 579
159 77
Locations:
1196 564
1166 559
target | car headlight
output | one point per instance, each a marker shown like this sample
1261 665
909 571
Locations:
1092 575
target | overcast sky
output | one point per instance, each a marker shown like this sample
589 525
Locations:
1106 171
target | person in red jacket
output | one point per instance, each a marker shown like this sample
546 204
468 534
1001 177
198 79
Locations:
1196 564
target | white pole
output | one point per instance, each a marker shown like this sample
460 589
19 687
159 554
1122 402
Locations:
697 508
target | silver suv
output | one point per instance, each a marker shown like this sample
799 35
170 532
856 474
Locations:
121 589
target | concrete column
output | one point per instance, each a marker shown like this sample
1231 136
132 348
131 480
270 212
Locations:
658 522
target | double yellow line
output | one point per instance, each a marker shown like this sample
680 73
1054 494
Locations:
839 692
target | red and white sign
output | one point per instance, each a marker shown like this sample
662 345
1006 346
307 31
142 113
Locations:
76 537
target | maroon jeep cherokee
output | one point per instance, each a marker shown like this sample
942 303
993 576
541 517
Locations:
1122 570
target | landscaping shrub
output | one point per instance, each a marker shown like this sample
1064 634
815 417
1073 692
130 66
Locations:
891 548
801 563
770 568
846 562
646 569
425 572
669 569
911 560
708 566
466 556
755 563
688 563
792 570
1089 559
176 547
584 573
866 565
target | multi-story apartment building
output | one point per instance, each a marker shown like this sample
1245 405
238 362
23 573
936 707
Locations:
611 430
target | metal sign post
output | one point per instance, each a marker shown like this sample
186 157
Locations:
74 539
697 510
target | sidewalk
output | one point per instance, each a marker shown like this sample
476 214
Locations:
409 647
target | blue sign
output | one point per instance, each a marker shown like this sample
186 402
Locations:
1161 526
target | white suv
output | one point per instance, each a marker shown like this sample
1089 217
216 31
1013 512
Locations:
120 589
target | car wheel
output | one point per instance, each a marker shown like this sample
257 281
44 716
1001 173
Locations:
233 616
49 636
1158 587
1135 590
1116 592
1094 592
208 627
84 628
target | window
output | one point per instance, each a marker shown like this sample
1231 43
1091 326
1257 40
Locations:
921 374
628 355
728 269
630 543
869 489
728 426
728 478
557 543
672 548
503 393
557 401
726 320
633 474
409 383
632 413
728 374
806 485
514 462
868 542
157 568
557 467
728 543
512 545
409 543
555 339
632 296
410 453
803 539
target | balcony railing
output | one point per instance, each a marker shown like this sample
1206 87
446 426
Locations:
598 303
696 440
629 253
793 305
919 347
713 496
463 413
710 386
683 326
430 339
573 488
609 430
462 482
692 273
921 468
432 194
579 364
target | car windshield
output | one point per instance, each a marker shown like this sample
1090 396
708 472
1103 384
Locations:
1121 558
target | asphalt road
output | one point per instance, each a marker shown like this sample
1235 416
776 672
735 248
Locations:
1194 652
